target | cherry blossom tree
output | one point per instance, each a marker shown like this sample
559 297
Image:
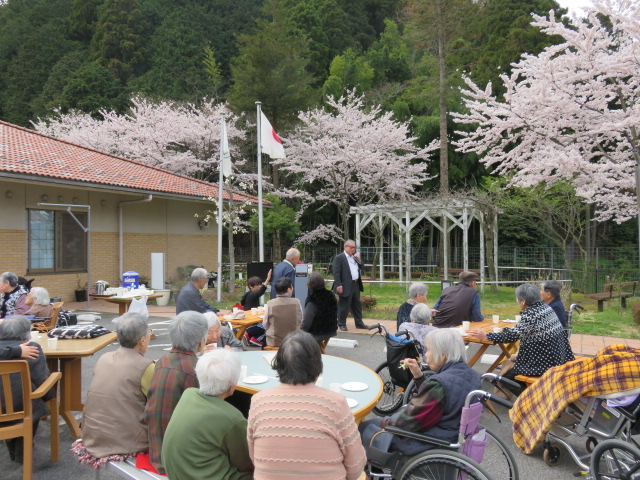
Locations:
181 137
348 154
570 113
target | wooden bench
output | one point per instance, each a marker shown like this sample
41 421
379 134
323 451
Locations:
614 290
529 380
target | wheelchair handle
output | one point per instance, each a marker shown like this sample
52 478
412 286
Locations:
499 400
493 378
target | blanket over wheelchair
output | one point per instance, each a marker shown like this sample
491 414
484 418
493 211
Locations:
614 369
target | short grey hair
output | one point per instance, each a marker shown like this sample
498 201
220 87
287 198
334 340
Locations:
212 319
446 342
298 360
293 253
130 328
198 274
529 293
10 277
553 287
217 371
418 288
420 313
17 326
187 330
40 296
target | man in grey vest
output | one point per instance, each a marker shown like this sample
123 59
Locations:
458 303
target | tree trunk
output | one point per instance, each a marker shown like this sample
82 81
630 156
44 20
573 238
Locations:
444 153
488 248
276 254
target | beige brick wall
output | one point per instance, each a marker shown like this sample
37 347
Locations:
180 250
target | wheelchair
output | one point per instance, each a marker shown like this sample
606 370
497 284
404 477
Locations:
394 378
478 454
613 449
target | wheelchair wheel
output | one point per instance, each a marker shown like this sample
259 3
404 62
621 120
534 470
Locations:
498 461
615 459
441 465
391 399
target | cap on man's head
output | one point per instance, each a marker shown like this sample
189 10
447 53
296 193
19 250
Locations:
468 277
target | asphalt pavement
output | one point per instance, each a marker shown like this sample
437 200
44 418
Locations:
369 352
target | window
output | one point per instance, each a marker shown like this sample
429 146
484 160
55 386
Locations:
56 243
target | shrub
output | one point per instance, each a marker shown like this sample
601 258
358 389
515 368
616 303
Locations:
635 309
368 302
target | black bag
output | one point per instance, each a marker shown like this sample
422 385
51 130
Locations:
397 350
66 319
83 331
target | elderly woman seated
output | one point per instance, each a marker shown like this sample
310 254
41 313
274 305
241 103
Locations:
543 343
550 294
219 336
174 373
206 437
12 295
316 432
419 323
38 301
320 316
435 410
113 422
417 294
14 332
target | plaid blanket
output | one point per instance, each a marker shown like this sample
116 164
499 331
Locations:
614 369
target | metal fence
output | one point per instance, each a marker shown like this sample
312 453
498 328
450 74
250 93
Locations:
515 264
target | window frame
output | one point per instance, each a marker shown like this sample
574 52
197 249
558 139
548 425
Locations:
57 243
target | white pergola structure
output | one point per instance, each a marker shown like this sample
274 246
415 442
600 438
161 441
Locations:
445 214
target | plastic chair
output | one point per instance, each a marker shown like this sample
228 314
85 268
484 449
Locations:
24 418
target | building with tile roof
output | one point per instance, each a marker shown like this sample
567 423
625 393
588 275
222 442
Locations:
51 189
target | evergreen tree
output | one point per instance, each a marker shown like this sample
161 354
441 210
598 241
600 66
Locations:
117 42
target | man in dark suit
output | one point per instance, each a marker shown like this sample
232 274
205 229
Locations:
286 268
348 285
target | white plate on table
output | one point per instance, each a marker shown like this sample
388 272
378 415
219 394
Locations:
255 379
509 321
354 386
352 402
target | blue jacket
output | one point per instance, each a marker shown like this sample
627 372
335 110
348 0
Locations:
283 269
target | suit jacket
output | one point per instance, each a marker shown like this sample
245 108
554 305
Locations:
283 269
342 275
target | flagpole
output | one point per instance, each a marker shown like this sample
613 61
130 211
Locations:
260 226
220 218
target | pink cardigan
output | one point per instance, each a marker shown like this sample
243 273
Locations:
303 431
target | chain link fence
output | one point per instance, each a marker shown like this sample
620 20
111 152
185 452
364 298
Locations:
515 264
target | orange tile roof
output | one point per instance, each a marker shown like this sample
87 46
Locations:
27 152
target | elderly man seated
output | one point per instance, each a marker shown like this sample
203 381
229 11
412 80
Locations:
419 323
190 297
283 314
207 437
113 421
219 336
174 373
417 294
15 332
13 297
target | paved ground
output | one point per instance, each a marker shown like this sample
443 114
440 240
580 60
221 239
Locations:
368 352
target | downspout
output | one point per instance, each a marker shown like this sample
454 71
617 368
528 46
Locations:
121 229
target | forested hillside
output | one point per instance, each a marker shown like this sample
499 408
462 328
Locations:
408 56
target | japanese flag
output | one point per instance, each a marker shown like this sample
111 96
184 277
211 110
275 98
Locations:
269 139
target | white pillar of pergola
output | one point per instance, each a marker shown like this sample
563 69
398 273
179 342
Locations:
454 213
